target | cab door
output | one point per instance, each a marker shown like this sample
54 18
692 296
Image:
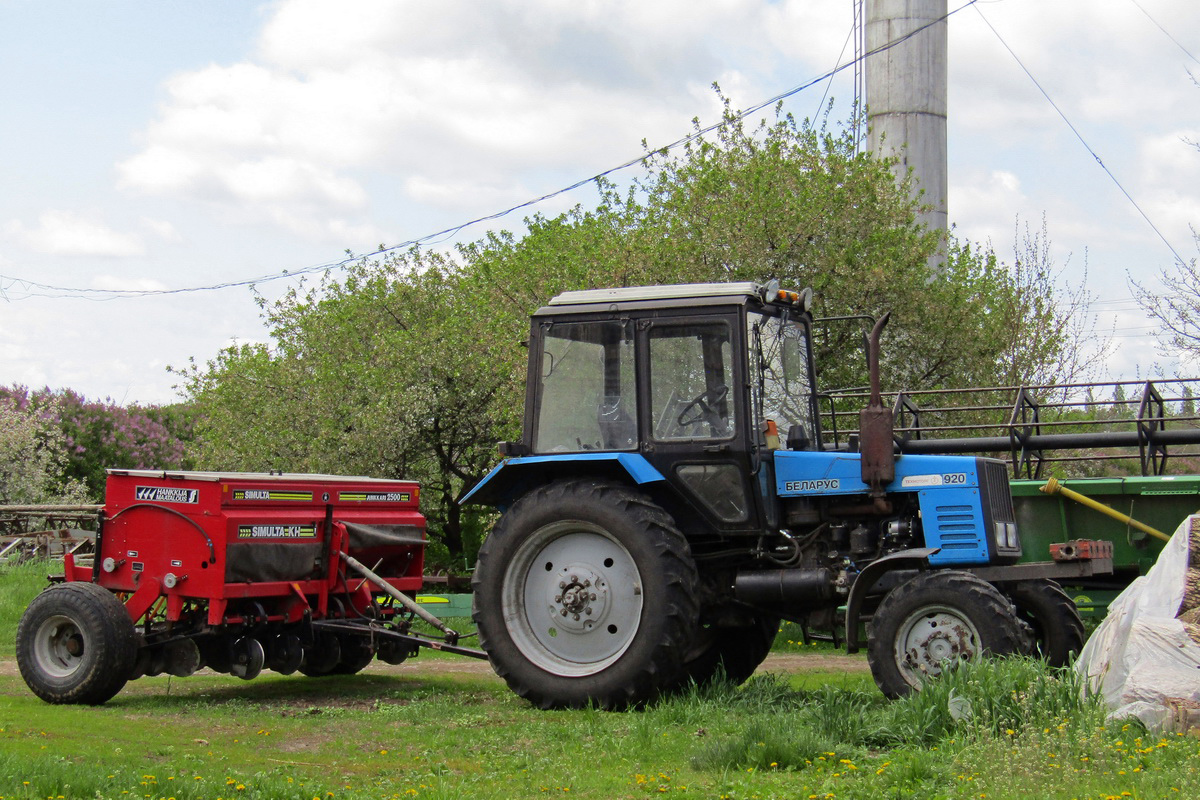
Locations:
694 414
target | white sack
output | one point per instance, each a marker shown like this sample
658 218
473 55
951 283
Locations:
1141 655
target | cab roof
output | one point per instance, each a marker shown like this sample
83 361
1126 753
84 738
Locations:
673 295
676 291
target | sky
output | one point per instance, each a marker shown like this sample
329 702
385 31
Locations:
151 145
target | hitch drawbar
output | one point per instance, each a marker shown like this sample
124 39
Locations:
452 636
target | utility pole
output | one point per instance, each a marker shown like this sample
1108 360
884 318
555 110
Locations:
906 95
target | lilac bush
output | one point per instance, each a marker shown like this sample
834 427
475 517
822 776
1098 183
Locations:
98 435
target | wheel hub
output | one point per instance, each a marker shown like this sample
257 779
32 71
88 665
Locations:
59 646
574 598
932 637
580 598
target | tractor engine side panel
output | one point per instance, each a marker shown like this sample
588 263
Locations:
962 499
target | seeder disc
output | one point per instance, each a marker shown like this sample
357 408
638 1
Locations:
286 653
248 658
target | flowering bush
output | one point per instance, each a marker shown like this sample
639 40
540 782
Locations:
92 436
33 455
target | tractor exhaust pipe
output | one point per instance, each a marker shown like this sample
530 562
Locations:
876 428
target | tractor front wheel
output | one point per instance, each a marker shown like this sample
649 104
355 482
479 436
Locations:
586 594
933 620
76 644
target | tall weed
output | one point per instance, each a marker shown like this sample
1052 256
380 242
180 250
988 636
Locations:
997 698
992 698
780 742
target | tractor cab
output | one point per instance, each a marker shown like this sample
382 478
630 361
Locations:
682 386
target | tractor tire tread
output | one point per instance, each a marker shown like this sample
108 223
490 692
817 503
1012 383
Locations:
1057 628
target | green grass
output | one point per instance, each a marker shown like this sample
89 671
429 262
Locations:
1008 729
437 734
19 584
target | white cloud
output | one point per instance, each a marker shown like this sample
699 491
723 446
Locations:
988 200
461 94
1101 61
162 229
70 233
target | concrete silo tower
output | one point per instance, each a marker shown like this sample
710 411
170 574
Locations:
906 93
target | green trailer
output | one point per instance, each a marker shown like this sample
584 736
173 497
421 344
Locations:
1161 502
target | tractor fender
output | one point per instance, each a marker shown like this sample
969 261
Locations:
515 476
917 558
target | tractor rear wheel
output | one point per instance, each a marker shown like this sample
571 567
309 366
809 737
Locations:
586 594
76 644
931 621
1057 628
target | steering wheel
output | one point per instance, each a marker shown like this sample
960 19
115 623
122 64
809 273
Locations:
704 404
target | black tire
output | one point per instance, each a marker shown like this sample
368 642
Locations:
215 650
734 653
933 618
1053 616
394 652
615 563
76 644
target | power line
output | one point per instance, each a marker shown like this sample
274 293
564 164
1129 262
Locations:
845 44
7 282
1166 33
1079 136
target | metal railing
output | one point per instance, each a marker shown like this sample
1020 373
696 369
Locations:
1138 419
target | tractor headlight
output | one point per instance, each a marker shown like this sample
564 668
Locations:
1006 536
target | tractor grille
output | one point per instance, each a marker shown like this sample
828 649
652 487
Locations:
994 490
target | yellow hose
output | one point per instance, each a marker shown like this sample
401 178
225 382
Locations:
1054 487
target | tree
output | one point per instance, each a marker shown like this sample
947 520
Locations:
101 435
1176 308
1026 313
398 371
33 455
409 366
794 201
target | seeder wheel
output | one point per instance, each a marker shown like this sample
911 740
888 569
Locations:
76 644
322 657
285 654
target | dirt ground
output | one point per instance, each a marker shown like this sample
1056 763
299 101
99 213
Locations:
786 663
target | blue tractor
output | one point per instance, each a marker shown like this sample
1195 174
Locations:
670 501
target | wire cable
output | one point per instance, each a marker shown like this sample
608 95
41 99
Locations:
8 282
845 44
1079 136
1166 33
